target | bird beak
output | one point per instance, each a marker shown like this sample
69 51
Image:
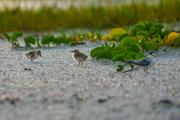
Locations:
72 51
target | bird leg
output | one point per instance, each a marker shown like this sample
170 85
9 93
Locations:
79 63
145 71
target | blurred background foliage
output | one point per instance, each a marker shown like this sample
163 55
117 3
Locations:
96 14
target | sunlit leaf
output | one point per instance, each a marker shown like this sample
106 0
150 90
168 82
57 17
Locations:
115 34
171 37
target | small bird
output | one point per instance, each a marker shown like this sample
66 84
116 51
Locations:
33 54
145 63
80 57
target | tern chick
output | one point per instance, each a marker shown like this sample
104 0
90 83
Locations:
80 57
33 54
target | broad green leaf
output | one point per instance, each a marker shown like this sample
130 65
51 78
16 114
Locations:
48 39
127 49
136 28
15 35
30 40
101 52
63 39
126 41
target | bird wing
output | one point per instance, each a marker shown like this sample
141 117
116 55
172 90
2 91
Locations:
30 54
82 55
143 62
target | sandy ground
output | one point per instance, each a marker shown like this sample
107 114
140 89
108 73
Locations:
55 88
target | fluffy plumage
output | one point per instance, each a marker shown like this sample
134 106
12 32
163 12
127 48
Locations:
80 57
33 55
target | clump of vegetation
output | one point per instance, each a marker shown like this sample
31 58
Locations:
119 44
88 17
30 41
63 39
49 40
126 49
142 36
13 38
149 35
145 36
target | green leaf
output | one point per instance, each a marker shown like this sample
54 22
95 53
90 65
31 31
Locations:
135 47
143 33
63 39
15 35
118 56
48 39
126 41
101 52
154 44
150 35
127 49
30 40
136 28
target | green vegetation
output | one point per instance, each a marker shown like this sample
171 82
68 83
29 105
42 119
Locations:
30 41
149 35
141 37
13 38
91 17
50 40
130 46
120 45
126 49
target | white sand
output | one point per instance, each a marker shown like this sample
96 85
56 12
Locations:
57 89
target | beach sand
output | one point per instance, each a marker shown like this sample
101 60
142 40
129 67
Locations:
55 88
